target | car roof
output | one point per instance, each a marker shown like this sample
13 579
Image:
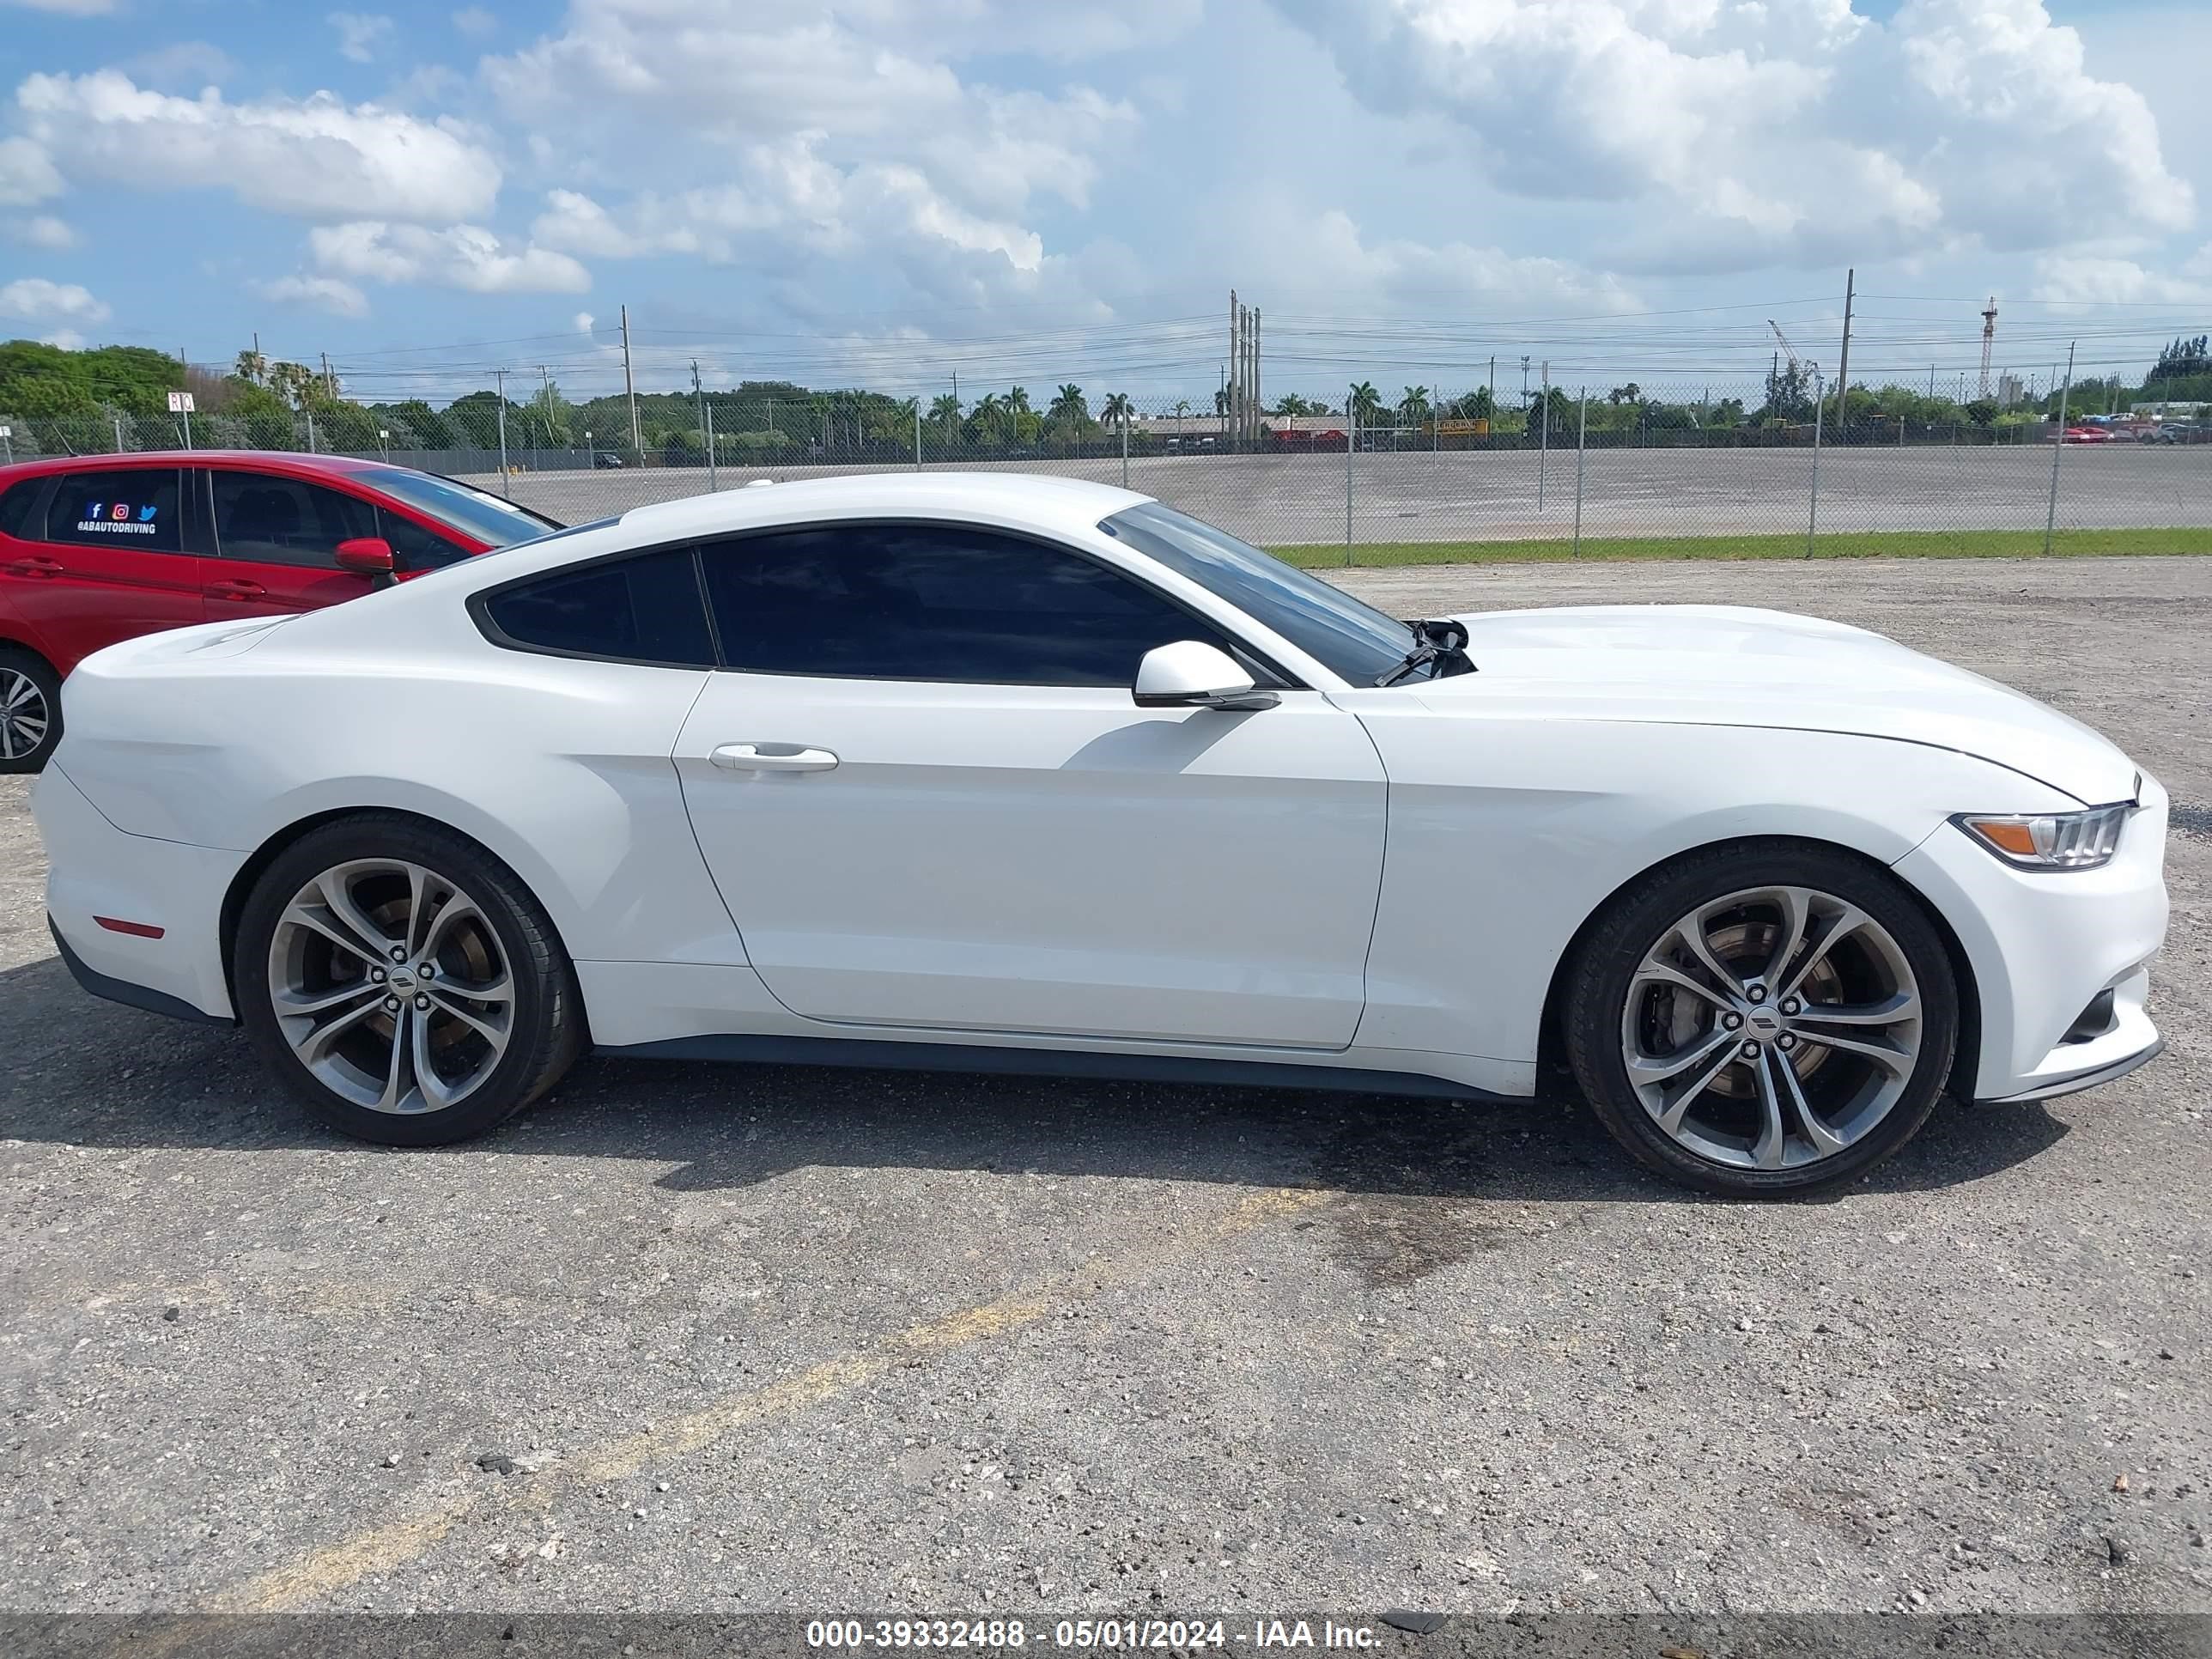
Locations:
1040 501
272 460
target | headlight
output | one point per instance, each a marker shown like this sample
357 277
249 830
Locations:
2051 841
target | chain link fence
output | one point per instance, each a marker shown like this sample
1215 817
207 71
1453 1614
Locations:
1769 467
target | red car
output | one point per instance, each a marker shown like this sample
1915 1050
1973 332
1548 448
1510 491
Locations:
2089 435
95 549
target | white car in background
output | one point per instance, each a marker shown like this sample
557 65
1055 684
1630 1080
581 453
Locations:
1032 774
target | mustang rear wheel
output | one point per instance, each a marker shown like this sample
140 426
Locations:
1764 1019
403 982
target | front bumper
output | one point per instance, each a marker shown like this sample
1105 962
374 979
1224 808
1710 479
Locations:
96 871
2044 946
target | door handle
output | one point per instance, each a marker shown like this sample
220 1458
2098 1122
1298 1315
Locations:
234 588
772 757
41 569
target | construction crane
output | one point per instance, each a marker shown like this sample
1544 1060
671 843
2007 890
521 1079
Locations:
1789 351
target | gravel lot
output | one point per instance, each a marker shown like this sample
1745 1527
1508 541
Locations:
1417 496
765 1338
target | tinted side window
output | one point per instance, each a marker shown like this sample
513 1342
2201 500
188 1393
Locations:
15 508
641 609
934 601
413 547
137 509
277 520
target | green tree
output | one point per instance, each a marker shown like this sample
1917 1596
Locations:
1413 407
2184 360
1068 407
1363 403
1118 409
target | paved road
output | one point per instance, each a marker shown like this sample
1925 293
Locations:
788 1339
1280 500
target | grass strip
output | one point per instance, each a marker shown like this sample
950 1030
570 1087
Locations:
1868 544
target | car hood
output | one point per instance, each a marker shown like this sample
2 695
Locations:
1730 665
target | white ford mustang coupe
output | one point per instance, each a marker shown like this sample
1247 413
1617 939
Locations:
1030 774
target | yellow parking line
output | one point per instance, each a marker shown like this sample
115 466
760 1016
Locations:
381 1549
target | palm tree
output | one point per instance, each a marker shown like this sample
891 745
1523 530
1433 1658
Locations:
1068 406
253 366
944 410
1291 404
1017 401
1414 405
988 410
1118 409
1363 403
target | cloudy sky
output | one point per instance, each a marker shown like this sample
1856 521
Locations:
900 191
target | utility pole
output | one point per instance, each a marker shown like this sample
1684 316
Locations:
330 386
699 398
1230 413
1544 439
1524 382
1255 376
1843 364
629 390
498 379
1988 339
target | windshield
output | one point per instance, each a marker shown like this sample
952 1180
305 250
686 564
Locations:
476 512
1354 641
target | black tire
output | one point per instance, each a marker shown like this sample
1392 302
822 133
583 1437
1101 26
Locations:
1599 983
13 661
547 1029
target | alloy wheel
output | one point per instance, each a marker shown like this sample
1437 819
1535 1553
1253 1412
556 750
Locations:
390 984
1771 1028
24 718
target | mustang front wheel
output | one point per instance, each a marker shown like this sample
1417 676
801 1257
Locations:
1761 1022
403 983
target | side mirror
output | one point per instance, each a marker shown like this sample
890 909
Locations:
1190 674
365 556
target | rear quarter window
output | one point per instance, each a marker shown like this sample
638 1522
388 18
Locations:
644 609
16 505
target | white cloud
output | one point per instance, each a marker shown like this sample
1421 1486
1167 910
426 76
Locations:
583 322
340 298
43 230
475 21
1331 254
183 65
460 256
317 157
67 338
28 173
1777 131
2086 279
35 300
361 34
786 192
